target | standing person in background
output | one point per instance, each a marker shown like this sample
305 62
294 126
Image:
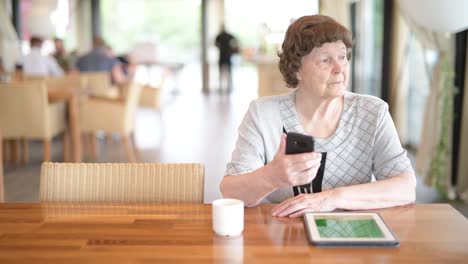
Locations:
61 56
227 45
37 64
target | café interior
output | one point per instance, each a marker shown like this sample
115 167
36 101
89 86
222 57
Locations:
167 107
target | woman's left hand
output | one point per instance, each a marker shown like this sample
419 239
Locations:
303 203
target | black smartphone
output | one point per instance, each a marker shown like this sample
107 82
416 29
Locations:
298 143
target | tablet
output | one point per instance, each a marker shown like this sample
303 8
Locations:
348 229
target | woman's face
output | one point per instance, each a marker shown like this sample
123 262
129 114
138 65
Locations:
325 70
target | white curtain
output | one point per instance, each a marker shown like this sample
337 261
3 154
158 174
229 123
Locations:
433 161
399 74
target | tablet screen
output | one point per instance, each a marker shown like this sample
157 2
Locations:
348 228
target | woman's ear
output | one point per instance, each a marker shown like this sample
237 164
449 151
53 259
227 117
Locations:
298 75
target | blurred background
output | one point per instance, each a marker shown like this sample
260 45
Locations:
413 57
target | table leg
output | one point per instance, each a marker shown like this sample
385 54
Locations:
47 146
14 151
93 144
66 146
24 150
5 150
74 129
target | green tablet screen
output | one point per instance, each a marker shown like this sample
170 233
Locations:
348 227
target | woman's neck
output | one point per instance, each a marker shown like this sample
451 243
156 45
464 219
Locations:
318 116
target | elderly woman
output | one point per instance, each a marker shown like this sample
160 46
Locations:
358 155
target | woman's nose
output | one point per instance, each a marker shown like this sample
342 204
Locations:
337 66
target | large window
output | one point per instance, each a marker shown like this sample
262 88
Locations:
368 48
171 27
46 19
261 24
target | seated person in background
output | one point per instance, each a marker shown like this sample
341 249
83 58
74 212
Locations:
72 59
60 55
37 64
128 68
98 60
354 133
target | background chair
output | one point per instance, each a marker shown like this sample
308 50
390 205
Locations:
98 84
25 113
151 97
112 116
70 81
122 182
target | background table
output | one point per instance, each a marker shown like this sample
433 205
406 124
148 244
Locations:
87 233
70 97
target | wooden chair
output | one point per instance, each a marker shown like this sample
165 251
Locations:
98 84
69 81
29 78
122 182
25 113
151 97
112 116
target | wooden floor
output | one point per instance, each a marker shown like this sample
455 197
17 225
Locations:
191 128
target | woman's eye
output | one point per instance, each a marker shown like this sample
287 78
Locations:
342 57
325 60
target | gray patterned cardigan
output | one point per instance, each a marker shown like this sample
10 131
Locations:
364 147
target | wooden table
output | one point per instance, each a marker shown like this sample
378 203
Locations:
87 233
70 97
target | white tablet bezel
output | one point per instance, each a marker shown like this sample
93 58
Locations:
314 235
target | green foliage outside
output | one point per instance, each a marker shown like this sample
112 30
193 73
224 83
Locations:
438 174
174 23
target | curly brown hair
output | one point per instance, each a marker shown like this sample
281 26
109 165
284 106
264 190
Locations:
305 34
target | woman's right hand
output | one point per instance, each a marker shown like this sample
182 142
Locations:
292 169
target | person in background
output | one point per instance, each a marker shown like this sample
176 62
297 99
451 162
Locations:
109 51
358 162
72 59
60 55
98 60
37 64
128 67
227 45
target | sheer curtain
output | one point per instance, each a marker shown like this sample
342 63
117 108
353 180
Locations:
433 160
399 73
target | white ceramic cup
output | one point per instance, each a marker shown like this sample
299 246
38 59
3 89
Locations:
228 217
